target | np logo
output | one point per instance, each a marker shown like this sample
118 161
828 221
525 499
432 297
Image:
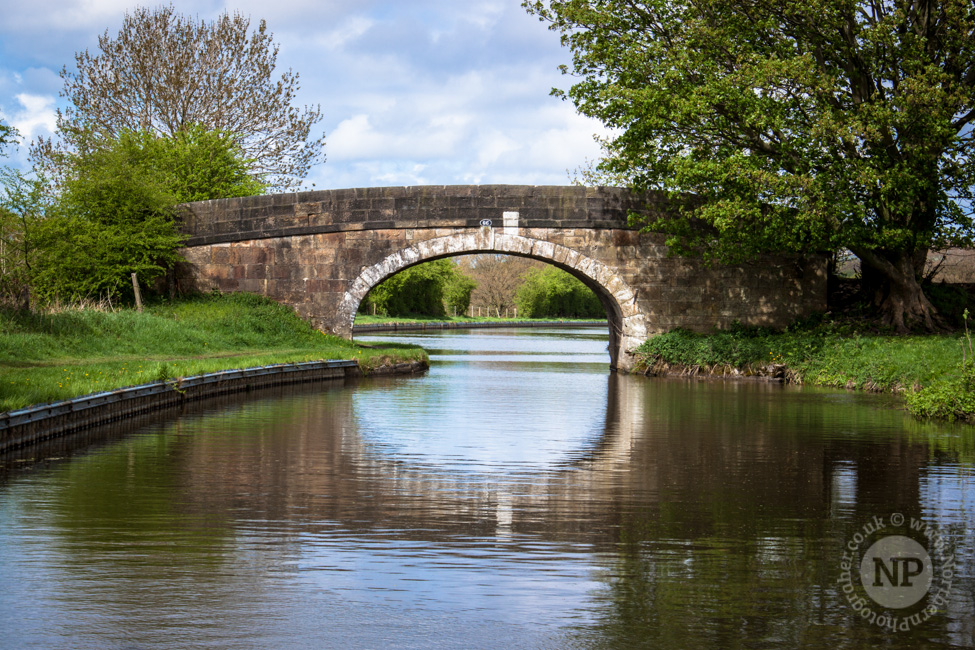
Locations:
896 572
486 223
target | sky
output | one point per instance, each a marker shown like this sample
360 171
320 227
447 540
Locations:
413 92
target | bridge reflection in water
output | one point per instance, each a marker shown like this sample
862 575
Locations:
512 491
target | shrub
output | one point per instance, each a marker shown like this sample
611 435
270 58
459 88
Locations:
554 293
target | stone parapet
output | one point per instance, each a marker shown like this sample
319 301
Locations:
385 208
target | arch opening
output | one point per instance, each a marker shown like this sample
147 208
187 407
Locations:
627 327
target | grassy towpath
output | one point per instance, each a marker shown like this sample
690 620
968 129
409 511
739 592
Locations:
50 357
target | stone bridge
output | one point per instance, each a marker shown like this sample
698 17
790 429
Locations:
321 252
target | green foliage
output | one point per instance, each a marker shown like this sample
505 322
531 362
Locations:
79 258
951 396
22 204
114 215
821 355
457 292
738 347
924 368
421 289
554 293
948 398
819 125
195 164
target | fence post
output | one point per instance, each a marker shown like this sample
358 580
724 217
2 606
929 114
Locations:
138 294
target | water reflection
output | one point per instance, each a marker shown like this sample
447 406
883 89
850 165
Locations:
499 501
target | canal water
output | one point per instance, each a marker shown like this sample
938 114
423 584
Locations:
519 495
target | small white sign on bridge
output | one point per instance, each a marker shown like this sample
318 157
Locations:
510 223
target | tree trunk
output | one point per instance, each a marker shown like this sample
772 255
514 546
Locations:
891 278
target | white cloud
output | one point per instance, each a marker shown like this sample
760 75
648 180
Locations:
350 29
418 92
37 116
62 15
357 138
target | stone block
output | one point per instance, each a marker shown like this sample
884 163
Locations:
252 255
221 254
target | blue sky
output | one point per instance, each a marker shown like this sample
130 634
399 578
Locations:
413 92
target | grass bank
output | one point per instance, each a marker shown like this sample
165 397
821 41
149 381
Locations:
50 357
935 374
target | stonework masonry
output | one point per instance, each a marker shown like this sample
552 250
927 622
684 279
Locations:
321 252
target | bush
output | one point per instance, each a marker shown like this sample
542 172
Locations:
115 211
949 398
427 289
554 293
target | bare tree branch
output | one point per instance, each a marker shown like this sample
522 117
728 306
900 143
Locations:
164 71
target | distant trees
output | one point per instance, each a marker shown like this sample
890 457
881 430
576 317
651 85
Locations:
164 73
458 291
498 278
429 289
445 288
553 293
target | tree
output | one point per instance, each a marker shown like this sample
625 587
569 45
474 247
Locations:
195 164
800 126
113 216
418 290
115 211
164 72
498 278
457 292
552 292
22 203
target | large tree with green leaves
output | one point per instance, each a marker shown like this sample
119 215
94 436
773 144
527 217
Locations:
800 125
114 213
22 203
164 71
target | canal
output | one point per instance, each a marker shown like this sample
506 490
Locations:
519 495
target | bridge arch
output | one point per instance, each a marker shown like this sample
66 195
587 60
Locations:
627 323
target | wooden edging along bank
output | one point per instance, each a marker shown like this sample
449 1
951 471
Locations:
448 325
46 421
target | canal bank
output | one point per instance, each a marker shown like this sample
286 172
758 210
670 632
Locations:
933 375
57 355
34 424
64 370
